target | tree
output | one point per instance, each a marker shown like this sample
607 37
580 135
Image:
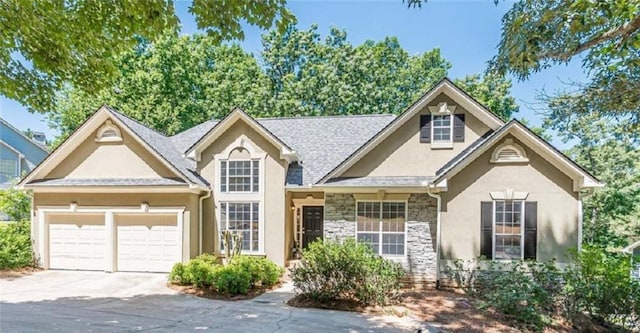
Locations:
172 85
611 152
16 204
493 91
176 82
605 34
47 45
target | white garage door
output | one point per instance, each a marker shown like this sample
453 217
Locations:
76 241
147 242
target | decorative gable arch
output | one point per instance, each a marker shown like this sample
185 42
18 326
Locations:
509 152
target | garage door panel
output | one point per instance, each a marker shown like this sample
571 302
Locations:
76 241
147 242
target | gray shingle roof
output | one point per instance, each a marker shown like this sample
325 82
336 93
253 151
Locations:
465 152
323 142
379 181
108 182
183 140
164 146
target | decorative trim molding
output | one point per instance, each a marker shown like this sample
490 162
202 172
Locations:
109 133
509 152
509 194
442 108
380 196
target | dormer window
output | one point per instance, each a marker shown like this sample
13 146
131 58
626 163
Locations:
442 127
108 133
509 152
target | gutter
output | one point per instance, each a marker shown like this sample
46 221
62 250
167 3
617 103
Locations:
439 230
200 237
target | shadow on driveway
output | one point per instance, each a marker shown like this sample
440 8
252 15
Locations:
50 311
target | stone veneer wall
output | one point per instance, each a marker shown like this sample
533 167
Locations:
420 262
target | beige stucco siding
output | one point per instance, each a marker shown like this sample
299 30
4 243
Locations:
106 200
126 159
272 194
546 185
402 154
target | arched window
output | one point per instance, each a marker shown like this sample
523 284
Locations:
509 152
108 133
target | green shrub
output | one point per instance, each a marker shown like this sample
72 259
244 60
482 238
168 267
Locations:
200 272
527 291
15 203
345 271
242 274
263 271
599 284
15 245
178 274
232 279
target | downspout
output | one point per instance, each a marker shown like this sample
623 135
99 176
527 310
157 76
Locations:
208 195
438 231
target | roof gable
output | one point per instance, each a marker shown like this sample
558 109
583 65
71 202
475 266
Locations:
581 177
286 152
445 86
129 126
19 142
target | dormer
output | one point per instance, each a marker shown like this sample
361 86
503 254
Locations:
442 126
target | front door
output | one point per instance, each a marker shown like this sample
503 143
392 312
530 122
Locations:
312 224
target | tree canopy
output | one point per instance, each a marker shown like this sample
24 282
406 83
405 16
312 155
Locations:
47 45
604 34
180 81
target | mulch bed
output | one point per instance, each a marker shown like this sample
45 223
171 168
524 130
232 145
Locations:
212 294
451 311
18 272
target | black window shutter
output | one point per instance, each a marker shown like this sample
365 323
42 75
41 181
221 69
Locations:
458 127
486 229
425 128
530 229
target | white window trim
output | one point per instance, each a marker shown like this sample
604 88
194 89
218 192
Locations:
254 154
442 109
493 231
380 232
441 144
251 160
260 250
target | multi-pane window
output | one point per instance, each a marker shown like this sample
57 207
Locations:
240 176
508 229
243 218
381 225
8 169
441 128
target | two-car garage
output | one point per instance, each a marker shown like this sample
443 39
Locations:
111 239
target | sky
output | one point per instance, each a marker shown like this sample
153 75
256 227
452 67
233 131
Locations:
466 32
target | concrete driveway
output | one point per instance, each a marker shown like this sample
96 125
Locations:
68 301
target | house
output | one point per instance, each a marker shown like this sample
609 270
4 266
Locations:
634 251
445 179
18 154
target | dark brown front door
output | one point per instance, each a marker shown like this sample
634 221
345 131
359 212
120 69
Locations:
312 222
